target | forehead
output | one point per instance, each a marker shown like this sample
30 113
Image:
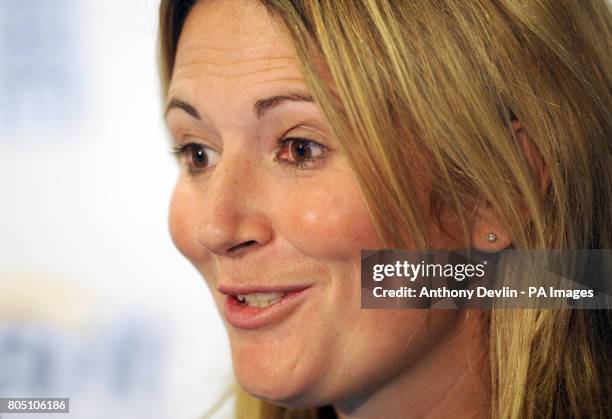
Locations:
234 39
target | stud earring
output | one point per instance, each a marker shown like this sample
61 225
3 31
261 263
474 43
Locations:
491 237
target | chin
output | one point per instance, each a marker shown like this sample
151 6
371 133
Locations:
287 392
278 383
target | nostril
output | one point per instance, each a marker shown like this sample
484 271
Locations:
241 245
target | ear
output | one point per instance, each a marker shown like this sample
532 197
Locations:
488 234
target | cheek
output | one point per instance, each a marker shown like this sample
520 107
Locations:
182 224
328 219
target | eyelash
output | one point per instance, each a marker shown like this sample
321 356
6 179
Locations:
180 150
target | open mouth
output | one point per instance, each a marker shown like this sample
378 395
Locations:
260 299
256 309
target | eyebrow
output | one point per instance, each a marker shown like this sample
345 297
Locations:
259 108
176 103
263 105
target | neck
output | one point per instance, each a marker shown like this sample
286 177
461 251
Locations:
451 380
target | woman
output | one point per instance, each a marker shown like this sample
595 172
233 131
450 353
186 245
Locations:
309 130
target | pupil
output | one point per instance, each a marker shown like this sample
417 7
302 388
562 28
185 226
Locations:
199 157
300 150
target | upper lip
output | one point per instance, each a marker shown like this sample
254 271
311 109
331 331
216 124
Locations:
243 289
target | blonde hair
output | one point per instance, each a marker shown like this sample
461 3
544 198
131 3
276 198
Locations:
442 81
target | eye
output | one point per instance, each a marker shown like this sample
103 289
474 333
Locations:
198 157
300 152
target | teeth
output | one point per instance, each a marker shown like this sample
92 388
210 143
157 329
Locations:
261 299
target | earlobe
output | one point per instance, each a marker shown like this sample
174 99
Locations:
488 235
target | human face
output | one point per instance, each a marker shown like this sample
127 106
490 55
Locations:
255 208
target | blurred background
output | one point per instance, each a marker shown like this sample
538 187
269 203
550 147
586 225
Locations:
96 304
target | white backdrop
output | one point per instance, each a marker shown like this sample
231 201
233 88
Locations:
96 304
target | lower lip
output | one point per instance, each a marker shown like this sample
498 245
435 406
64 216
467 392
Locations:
245 317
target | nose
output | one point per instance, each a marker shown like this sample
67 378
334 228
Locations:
232 218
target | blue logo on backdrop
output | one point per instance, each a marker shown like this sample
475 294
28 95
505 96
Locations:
40 68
